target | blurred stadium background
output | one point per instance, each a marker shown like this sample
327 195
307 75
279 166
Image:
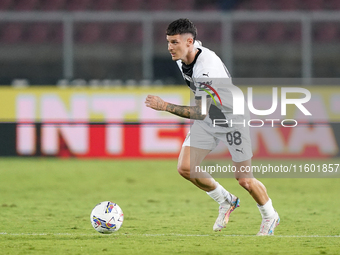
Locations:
46 41
54 53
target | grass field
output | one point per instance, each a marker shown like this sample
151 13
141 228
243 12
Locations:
45 207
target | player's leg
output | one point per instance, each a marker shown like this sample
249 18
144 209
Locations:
255 188
270 218
189 158
196 146
239 145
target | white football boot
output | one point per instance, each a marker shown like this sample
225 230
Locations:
268 226
224 213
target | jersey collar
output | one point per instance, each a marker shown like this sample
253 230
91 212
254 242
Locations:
193 62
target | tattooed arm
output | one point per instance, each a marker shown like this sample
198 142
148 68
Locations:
189 112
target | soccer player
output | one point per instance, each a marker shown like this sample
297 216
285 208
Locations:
198 63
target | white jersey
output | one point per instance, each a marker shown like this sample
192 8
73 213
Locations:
208 73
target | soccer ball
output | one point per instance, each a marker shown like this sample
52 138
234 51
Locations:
107 217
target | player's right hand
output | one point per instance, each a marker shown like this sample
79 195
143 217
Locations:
155 103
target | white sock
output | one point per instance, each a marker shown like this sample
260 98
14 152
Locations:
267 210
220 195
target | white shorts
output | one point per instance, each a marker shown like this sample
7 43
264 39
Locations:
202 136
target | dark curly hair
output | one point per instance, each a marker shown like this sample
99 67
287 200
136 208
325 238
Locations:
182 26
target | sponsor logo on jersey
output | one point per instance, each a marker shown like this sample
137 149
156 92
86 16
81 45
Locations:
240 150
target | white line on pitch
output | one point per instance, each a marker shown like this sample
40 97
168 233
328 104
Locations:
155 235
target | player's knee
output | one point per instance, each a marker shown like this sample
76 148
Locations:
184 170
246 183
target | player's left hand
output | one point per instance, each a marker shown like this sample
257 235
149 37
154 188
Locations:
155 103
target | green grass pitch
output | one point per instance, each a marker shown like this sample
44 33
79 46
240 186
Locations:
45 207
